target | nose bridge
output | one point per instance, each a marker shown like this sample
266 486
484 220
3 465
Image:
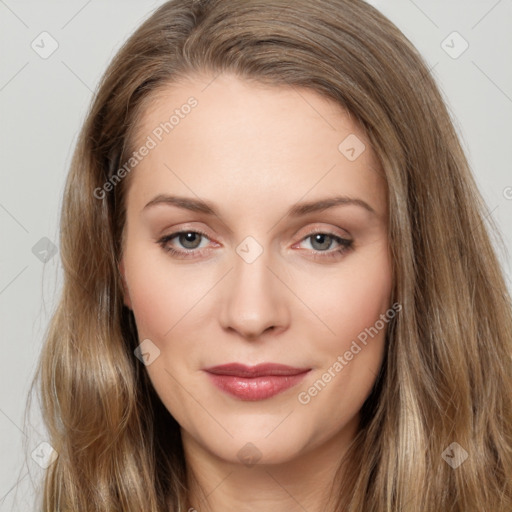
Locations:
255 299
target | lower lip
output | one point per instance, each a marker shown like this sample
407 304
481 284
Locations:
256 388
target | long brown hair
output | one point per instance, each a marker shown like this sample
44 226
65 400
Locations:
447 374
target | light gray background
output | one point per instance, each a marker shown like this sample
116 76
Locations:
43 103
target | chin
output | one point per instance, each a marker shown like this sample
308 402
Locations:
247 452
261 441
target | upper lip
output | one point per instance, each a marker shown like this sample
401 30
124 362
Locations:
241 370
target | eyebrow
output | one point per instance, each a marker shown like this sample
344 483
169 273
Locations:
297 210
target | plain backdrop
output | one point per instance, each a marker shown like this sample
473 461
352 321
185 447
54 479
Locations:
43 101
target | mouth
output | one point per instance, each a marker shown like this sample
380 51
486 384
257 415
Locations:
251 383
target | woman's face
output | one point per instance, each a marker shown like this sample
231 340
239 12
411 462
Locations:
263 275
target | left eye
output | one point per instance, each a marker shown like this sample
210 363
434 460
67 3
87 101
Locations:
188 240
325 240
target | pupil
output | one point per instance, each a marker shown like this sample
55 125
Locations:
321 238
188 240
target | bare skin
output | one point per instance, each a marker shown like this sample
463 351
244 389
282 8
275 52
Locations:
254 152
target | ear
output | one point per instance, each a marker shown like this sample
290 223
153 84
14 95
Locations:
126 294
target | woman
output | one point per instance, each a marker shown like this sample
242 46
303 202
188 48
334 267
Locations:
339 337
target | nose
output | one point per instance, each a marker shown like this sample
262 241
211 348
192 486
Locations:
254 299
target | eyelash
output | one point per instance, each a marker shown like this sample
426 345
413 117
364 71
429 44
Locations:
345 244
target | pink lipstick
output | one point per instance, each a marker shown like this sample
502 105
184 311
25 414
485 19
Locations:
258 382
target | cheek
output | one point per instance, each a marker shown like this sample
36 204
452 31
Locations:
354 309
154 304
161 295
353 300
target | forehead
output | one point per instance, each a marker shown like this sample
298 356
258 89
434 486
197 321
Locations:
226 135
